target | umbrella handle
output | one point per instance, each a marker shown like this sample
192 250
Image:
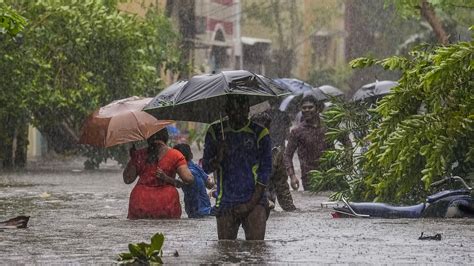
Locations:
222 126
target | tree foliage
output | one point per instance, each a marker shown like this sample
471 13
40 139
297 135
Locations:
424 129
411 8
427 123
340 167
76 56
283 20
10 21
438 14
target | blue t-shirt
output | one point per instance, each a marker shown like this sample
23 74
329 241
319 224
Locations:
196 200
248 161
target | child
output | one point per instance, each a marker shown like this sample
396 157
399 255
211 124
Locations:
196 200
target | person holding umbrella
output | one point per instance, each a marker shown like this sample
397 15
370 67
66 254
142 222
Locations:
278 123
239 151
155 195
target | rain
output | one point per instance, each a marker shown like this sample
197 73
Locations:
236 132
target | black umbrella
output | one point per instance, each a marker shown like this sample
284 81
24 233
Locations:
321 93
330 90
295 86
203 97
374 90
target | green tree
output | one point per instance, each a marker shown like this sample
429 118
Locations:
427 126
10 21
436 13
340 166
422 131
283 19
74 57
13 143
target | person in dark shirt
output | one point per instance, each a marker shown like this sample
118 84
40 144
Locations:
278 123
196 200
308 140
239 152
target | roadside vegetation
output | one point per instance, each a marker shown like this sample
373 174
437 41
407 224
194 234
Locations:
71 58
424 129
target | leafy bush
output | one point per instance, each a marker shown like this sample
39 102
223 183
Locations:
143 253
423 130
427 126
10 21
340 167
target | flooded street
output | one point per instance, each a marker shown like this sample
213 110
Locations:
80 217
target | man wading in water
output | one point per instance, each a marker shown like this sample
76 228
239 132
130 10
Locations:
308 139
241 157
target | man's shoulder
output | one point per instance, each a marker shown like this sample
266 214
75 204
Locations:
215 129
175 153
192 165
259 130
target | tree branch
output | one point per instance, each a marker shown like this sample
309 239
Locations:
428 13
69 130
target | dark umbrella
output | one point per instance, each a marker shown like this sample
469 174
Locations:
374 90
301 89
203 97
330 90
295 86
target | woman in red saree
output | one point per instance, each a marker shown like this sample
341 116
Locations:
155 195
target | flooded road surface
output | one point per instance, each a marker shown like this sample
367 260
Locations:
80 217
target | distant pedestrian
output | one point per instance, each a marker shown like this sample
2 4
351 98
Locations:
308 140
239 151
196 201
278 123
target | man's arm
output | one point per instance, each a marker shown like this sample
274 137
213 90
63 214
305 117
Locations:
210 151
265 155
288 159
130 173
244 209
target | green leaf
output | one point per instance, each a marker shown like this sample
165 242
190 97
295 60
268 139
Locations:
125 256
157 241
137 250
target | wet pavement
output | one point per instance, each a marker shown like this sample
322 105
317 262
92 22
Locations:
80 217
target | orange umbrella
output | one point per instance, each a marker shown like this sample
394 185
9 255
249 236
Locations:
120 122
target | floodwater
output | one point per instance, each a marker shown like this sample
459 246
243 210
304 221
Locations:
80 217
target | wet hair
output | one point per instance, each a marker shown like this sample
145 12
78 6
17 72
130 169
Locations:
311 99
153 148
185 149
160 135
263 119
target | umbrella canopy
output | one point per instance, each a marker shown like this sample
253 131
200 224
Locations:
203 97
295 86
322 93
300 89
330 90
120 122
374 90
